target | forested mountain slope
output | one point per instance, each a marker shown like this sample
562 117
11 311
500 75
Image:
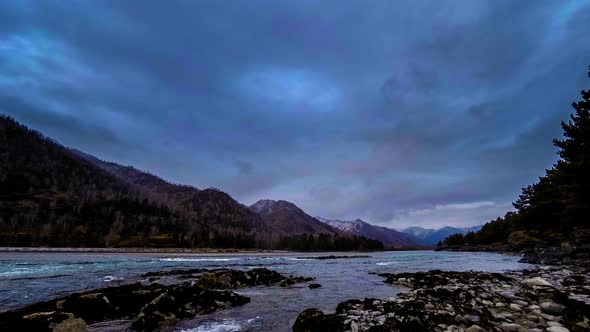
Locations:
50 195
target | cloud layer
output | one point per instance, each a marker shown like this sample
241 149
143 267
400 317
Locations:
396 113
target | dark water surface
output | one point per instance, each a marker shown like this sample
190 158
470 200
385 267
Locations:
30 277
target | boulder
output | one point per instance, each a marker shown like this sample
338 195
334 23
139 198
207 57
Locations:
71 324
557 329
536 281
49 321
474 328
552 308
511 327
313 320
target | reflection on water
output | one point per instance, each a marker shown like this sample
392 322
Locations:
31 277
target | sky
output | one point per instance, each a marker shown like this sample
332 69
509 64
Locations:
401 113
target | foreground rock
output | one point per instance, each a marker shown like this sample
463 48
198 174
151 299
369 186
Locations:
565 255
546 299
149 306
230 279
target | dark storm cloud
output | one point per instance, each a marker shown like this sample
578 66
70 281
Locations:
399 113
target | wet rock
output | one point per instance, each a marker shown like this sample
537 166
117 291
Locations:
93 306
71 324
313 320
552 308
157 314
557 329
471 318
474 328
313 286
287 282
581 326
472 301
536 281
49 321
511 327
157 274
151 306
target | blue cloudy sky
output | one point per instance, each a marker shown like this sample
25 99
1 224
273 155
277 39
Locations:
398 112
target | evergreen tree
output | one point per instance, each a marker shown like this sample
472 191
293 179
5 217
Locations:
557 207
573 168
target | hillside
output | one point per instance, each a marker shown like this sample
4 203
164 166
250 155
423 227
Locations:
219 209
389 237
286 218
54 196
50 197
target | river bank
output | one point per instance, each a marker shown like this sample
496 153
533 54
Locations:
565 254
545 298
157 303
31 278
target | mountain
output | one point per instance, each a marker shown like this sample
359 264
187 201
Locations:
286 218
54 196
293 229
389 237
433 236
51 195
219 208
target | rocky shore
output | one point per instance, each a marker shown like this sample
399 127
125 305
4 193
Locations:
155 303
563 255
550 298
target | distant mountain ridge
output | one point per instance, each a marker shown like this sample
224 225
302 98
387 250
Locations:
433 236
389 237
287 218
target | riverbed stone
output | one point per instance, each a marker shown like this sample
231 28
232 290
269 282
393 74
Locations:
474 328
71 324
557 329
511 327
552 308
536 281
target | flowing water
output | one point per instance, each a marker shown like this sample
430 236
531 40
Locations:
30 277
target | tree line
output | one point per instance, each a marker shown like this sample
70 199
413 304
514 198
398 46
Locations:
556 208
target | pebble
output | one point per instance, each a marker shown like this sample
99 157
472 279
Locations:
557 329
511 327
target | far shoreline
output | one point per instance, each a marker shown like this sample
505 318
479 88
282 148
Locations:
179 251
